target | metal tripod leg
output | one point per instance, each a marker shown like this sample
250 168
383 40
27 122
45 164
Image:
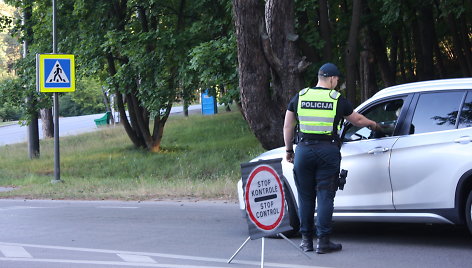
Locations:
239 249
262 253
293 244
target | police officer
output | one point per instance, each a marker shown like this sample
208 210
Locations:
318 112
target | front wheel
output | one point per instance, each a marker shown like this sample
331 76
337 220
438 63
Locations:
292 212
468 212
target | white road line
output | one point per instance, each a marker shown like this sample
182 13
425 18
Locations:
111 263
136 258
117 207
14 252
21 207
161 255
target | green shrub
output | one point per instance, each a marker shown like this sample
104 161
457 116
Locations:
9 113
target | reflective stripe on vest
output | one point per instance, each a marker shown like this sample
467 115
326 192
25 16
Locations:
316 110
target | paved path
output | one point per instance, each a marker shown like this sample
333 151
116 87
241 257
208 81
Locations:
79 234
15 133
203 234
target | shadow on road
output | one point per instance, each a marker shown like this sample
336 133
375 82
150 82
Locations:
405 233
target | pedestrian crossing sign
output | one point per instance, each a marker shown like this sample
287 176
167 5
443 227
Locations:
55 72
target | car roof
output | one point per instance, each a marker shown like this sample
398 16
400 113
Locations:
443 84
432 85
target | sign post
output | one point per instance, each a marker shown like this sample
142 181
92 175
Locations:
264 196
55 73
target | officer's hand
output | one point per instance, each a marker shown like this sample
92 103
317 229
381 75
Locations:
289 156
376 127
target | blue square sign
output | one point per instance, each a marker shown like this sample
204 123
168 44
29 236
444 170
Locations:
55 72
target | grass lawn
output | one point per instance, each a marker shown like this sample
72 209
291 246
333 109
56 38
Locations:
200 159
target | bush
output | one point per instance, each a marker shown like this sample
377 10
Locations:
9 113
87 99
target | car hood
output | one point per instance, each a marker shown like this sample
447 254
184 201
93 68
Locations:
274 153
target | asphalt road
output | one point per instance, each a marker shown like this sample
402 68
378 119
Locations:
82 234
16 133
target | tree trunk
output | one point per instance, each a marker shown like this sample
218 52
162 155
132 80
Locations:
108 107
325 29
158 132
409 54
457 45
222 93
438 56
307 49
464 28
267 52
396 39
351 52
139 120
380 52
367 66
262 114
120 101
280 49
137 124
33 132
31 102
47 123
119 11
425 53
185 108
401 59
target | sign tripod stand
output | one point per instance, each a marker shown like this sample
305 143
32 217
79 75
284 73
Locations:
262 250
264 198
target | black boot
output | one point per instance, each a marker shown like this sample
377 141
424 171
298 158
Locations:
307 243
323 245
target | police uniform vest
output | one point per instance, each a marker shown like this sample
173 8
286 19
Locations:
316 110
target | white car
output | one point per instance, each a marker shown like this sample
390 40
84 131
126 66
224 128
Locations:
419 169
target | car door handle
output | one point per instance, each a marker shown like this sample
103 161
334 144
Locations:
463 140
378 150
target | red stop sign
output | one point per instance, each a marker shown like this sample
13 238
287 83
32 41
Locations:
265 198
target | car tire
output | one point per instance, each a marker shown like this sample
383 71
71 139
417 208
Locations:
468 212
292 212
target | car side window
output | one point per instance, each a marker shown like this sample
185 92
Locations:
465 119
385 113
436 112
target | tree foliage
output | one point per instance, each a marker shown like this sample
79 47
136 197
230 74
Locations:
376 43
141 50
152 53
87 99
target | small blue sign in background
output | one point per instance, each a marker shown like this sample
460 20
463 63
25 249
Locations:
49 67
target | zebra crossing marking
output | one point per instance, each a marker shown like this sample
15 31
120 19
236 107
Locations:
136 258
14 252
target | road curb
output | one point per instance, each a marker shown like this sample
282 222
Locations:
9 124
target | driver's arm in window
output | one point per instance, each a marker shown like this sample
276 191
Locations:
359 120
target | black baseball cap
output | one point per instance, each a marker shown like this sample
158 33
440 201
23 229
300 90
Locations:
329 69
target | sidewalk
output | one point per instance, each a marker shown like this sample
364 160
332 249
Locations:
15 133
9 123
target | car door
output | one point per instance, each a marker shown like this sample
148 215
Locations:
427 162
366 156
